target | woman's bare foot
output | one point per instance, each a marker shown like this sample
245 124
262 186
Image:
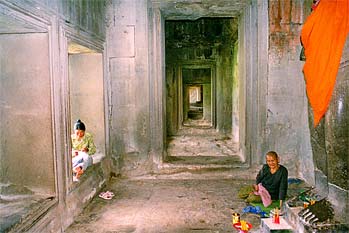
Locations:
78 171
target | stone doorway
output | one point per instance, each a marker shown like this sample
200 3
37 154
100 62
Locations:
202 99
236 89
197 98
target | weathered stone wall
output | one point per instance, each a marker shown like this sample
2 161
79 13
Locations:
26 138
84 15
330 143
287 118
35 117
127 59
337 141
224 83
235 97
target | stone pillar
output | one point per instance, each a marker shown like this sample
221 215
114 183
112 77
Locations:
207 102
136 120
286 128
185 102
330 143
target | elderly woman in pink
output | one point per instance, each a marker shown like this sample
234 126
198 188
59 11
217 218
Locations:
82 148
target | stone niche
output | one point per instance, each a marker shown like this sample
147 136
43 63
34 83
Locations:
86 88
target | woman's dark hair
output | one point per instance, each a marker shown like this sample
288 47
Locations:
79 125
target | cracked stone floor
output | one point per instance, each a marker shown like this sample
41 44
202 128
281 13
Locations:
195 203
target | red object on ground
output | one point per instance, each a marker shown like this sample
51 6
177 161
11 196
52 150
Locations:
323 37
237 226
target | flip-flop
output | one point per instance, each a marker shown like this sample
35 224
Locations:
106 195
110 193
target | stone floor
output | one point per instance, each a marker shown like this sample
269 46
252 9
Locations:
201 141
198 203
199 198
197 143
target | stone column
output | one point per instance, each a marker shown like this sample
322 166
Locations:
330 143
207 102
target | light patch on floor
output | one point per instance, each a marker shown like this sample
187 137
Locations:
192 141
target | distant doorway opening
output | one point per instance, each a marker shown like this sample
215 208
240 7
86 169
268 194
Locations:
197 94
195 102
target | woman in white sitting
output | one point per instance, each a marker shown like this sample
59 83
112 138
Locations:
82 149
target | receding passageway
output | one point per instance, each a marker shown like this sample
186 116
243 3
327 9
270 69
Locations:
202 92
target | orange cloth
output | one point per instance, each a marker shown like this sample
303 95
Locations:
323 37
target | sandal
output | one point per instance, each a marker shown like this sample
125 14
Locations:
110 193
106 195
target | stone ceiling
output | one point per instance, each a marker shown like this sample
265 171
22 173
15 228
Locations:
206 32
171 10
194 9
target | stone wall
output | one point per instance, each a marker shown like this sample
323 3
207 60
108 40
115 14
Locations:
35 113
26 139
87 16
330 143
287 115
127 61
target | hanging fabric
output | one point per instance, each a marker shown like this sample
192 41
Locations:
323 36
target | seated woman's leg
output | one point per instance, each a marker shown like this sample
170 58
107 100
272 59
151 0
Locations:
253 198
245 191
87 160
77 161
80 162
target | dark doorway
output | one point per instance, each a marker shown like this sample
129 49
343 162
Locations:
201 86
